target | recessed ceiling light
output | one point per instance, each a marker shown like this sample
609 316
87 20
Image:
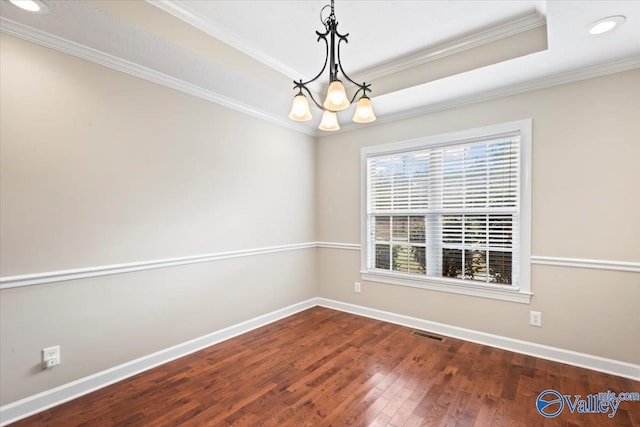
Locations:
606 24
36 6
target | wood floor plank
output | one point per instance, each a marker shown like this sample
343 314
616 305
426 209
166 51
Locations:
322 368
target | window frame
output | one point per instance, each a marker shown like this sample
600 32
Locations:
520 292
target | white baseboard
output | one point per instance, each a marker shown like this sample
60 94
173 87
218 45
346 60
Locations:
39 402
588 361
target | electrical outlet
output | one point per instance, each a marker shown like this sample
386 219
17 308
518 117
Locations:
356 287
535 318
50 357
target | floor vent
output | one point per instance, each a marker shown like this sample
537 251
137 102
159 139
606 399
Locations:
427 335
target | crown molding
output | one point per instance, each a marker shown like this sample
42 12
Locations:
84 52
600 70
182 13
520 25
208 27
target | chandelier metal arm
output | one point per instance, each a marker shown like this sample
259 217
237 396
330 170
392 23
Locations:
340 61
364 87
361 88
303 85
321 36
300 86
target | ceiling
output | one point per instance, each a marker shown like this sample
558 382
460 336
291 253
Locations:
420 56
283 32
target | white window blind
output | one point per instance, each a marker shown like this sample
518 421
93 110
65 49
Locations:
448 211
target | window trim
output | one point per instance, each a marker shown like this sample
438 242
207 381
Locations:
522 292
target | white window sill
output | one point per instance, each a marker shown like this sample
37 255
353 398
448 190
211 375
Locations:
455 287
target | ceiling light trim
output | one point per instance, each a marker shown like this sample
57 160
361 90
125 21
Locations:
43 8
84 52
615 21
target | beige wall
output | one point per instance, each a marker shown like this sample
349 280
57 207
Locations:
98 168
586 144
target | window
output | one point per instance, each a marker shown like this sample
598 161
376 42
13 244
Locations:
451 212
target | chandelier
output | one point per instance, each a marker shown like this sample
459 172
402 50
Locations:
336 99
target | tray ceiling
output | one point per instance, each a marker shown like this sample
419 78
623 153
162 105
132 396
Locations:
423 55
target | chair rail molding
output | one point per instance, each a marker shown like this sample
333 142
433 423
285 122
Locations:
8 282
104 270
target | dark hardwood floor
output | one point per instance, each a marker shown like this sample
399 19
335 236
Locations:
327 368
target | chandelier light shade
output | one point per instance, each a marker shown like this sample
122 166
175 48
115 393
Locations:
336 98
329 121
300 109
364 111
